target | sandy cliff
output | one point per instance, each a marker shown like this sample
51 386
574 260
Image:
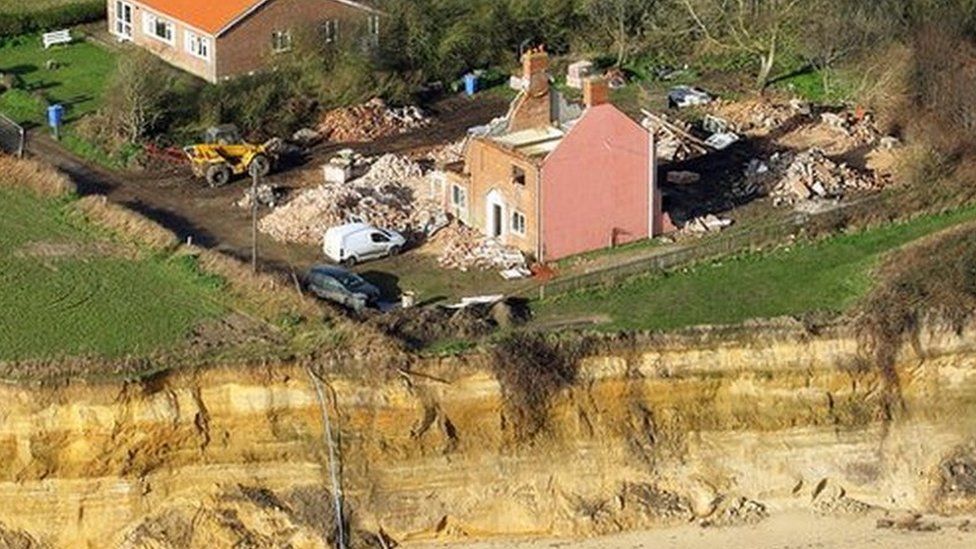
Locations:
726 426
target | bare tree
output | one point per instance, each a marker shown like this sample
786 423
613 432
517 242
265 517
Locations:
137 94
835 30
754 27
623 22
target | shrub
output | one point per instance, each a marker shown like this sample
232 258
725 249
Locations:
27 20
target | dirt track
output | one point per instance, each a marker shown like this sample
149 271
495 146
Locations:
210 217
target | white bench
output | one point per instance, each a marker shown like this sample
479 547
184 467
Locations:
57 37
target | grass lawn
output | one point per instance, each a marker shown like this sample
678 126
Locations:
68 291
826 276
78 83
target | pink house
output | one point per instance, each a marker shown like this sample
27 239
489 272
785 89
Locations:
555 179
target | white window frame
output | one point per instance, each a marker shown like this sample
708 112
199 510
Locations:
330 30
459 200
519 228
123 28
198 46
150 24
278 38
374 25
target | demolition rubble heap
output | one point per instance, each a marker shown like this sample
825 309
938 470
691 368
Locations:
466 249
394 193
369 121
790 178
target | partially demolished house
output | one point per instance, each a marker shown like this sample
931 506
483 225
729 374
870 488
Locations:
554 179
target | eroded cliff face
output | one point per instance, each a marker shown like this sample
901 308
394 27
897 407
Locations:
652 432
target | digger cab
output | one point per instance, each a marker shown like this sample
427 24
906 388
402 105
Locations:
225 134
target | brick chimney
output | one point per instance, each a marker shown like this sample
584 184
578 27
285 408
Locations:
533 108
595 91
535 71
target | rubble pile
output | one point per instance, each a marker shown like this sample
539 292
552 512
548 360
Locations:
757 116
861 129
671 138
268 196
393 194
791 178
448 154
464 249
371 120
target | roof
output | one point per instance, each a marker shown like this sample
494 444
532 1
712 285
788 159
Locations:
533 142
218 16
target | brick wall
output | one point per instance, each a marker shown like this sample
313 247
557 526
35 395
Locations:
174 53
248 46
490 167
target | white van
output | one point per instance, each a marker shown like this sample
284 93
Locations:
356 242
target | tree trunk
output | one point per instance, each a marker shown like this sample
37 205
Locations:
766 63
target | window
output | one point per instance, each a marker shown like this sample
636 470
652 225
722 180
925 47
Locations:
459 197
518 175
518 223
374 25
281 41
123 19
159 28
379 238
198 46
330 31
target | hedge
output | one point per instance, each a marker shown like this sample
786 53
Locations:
53 18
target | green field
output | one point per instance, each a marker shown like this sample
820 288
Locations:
68 290
78 82
826 276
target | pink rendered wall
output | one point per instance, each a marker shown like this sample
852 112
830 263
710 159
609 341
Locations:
595 187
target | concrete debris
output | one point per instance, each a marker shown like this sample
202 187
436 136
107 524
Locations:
268 196
306 137
706 224
861 128
448 154
722 141
464 249
791 178
683 178
395 193
369 121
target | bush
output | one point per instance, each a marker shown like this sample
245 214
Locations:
39 178
29 20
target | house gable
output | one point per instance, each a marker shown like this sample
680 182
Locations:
596 186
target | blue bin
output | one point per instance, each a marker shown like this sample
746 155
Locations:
55 115
470 84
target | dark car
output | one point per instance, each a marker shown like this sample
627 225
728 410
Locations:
343 287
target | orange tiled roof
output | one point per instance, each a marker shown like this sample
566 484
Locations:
215 16
210 16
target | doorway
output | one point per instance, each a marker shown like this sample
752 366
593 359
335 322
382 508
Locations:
495 222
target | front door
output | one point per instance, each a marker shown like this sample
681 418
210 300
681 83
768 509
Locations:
496 220
123 19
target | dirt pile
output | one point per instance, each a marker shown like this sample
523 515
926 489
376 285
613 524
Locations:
790 178
393 194
369 121
736 511
464 249
756 116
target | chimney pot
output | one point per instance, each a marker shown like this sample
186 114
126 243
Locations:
535 66
595 91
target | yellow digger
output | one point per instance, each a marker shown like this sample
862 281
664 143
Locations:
223 154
